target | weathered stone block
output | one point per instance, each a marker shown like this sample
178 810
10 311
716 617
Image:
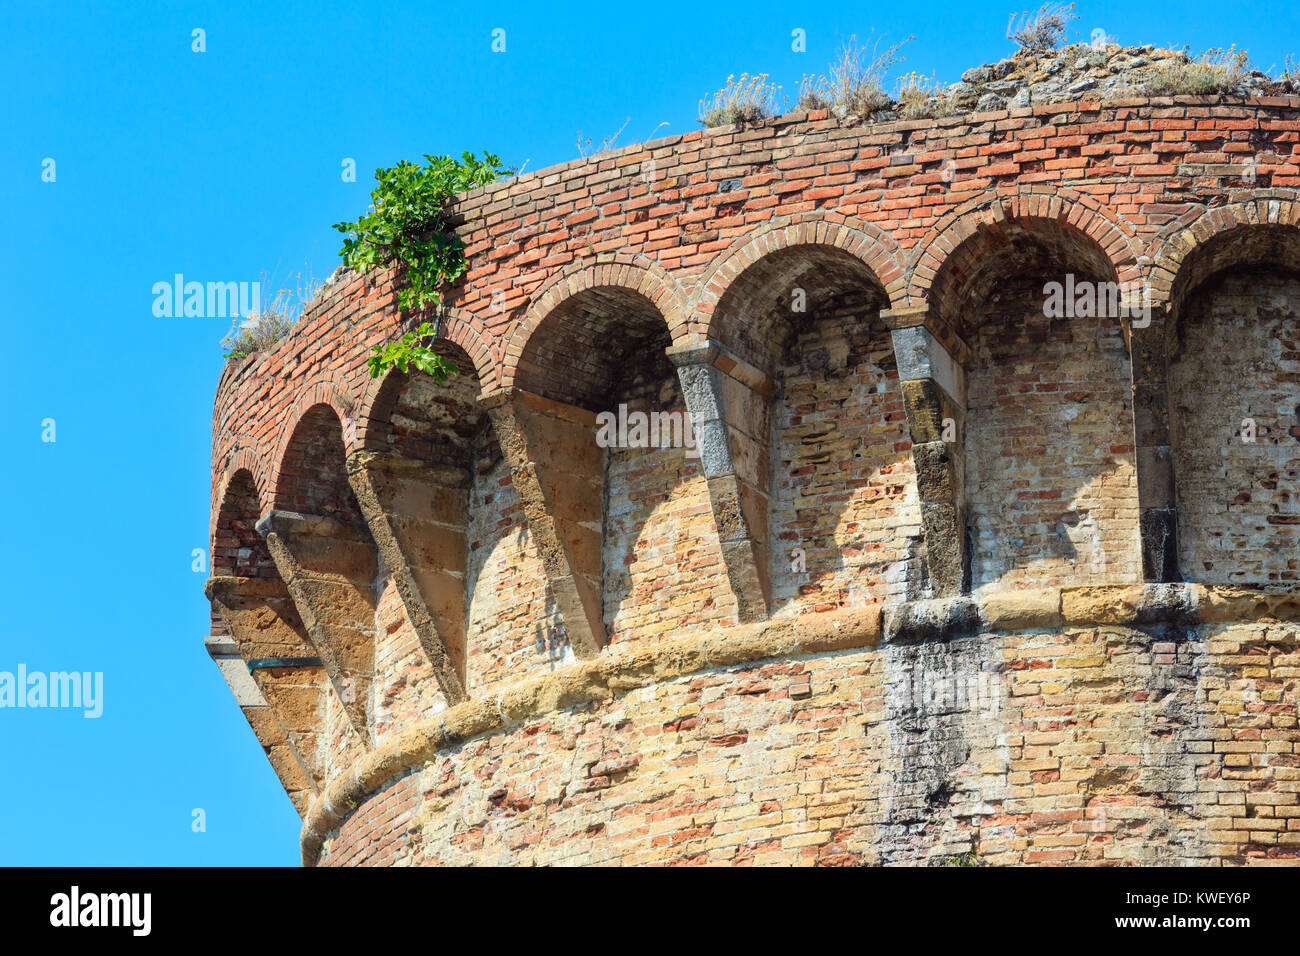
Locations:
1022 610
945 547
938 472
920 355
928 408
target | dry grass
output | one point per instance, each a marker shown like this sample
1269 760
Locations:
275 320
585 147
1043 30
1214 71
746 101
856 84
1290 75
920 97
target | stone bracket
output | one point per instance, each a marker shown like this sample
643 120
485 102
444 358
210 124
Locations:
265 629
921 356
933 384
417 512
730 408
262 720
329 567
558 472
939 330
1157 501
711 353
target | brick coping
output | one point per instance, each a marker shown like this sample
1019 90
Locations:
624 669
474 204
772 124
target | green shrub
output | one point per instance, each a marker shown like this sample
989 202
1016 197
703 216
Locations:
407 223
921 98
255 333
1290 75
277 318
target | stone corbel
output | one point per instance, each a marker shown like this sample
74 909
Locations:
558 472
931 361
730 407
329 568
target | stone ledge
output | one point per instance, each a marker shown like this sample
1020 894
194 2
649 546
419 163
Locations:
282 522
1140 605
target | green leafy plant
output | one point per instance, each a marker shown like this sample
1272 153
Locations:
919 97
407 223
412 350
255 333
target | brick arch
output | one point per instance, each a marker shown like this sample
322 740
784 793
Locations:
311 467
376 407
318 394
1232 510
321 392
1176 249
1115 238
586 322
390 394
465 330
864 241
373 411
243 457
634 273
242 469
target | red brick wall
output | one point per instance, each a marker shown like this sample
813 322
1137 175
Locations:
844 486
377 833
1050 477
1136 167
1092 746
1239 501
312 475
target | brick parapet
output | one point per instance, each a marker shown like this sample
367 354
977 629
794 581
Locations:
711 188
898 228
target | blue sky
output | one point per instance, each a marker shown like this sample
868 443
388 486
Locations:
226 164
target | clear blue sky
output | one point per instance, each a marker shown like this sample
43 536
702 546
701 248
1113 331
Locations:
226 164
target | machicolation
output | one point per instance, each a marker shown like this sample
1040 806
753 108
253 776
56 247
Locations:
940 569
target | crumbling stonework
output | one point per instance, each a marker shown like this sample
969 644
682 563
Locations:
1105 71
944 576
